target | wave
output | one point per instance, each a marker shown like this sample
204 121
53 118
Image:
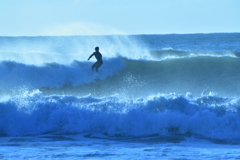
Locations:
208 116
18 75
132 78
198 75
47 86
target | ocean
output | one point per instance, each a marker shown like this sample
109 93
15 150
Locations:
172 96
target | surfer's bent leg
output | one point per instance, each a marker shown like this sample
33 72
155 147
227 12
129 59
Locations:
94 65
98 65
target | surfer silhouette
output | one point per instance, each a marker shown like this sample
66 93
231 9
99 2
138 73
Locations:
98 56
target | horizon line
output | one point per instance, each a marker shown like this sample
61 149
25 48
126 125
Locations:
121 34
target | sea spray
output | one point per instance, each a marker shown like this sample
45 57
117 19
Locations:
65 49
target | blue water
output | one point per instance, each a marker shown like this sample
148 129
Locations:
159 94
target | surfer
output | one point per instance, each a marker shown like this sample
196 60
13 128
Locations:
98 56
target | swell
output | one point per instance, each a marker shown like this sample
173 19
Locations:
195 75
198 75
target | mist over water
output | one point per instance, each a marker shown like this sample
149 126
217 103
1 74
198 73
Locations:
65 49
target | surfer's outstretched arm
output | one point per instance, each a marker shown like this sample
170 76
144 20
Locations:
90 56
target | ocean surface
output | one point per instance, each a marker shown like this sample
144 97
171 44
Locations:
173 96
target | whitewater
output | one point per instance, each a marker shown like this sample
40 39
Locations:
173 96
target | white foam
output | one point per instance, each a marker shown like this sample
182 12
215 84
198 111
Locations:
35 114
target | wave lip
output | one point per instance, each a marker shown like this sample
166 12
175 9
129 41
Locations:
208 116
169 53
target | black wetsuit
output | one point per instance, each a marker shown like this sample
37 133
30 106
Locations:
99 62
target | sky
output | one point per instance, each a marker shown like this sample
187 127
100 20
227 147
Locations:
107 17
